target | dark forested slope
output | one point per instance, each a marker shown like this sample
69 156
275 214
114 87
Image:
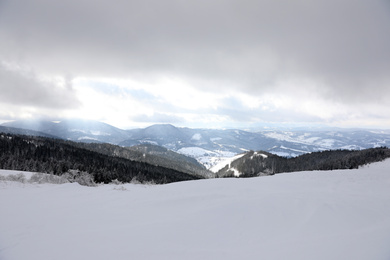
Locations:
262 163
57 156
151 154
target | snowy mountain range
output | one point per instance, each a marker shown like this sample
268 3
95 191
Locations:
209 146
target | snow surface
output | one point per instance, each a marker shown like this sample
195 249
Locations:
97 132
259 154
206 157
78 130
236 172
86 138
302 139
284 154
224 162
334 215
148 142
196 151
196 137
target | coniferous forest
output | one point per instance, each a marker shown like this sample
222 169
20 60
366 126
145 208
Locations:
262 163
39 154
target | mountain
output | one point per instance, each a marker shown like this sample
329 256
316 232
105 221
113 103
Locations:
162 135
300 141
20 131
74 130
56 156
212 146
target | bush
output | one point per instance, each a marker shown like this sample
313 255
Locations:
82 178
47 178
16 177
116 182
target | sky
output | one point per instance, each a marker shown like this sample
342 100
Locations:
210 64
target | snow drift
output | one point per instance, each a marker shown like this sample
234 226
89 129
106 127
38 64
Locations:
341 214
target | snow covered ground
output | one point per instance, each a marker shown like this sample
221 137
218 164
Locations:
27 175
307 215
208 158
222 163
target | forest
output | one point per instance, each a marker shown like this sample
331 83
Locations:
54 156
252 164
151 154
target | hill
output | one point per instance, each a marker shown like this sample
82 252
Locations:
151 154
261 163
39 154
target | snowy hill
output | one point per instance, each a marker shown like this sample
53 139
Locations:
305 215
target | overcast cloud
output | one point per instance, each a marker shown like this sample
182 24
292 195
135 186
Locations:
203 63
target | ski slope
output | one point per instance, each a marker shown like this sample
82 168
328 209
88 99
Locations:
306 215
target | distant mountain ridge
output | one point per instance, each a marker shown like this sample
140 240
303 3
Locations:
211 146
21 131
74 130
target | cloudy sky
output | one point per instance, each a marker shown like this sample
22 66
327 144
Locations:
198 63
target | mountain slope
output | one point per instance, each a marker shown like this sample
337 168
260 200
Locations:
75 130
261 163
20 131
158 155
151 154
57 157
328 139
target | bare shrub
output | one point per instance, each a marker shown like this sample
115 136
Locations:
116 182
47 178
82 178
16 177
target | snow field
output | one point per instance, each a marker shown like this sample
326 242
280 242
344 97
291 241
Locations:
306 215
224 162
208 158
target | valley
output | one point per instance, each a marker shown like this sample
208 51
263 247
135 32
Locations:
209 147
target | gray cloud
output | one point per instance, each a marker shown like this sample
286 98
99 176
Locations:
239 113
158 118
342 48
25 89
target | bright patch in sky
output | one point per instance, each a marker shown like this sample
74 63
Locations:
112 100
